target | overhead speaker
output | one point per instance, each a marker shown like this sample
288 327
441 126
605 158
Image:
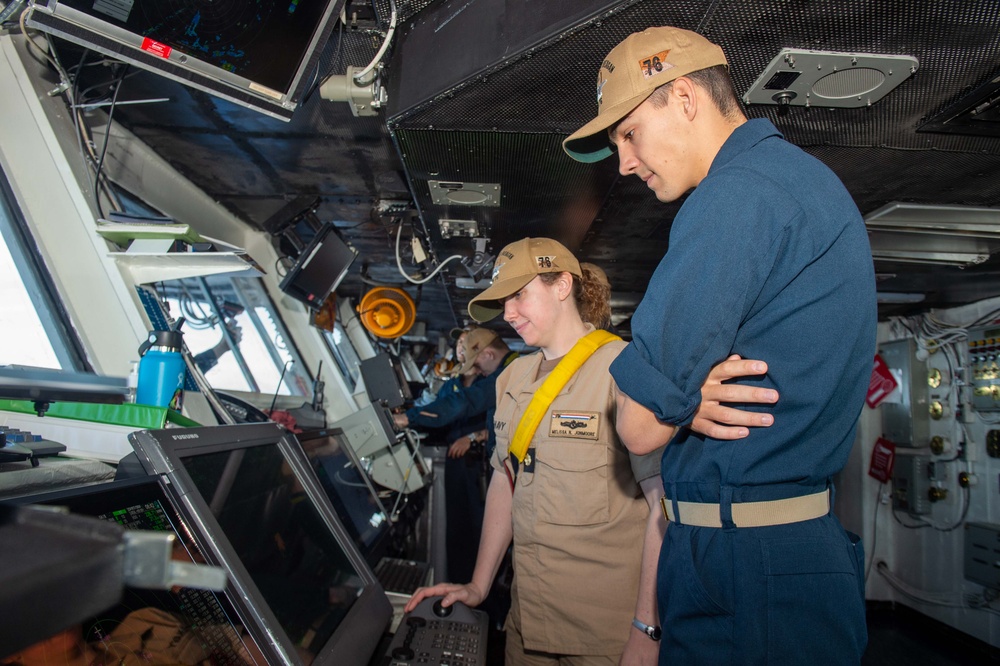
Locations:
387 312
798 77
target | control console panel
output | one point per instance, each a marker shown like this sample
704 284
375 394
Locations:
439 636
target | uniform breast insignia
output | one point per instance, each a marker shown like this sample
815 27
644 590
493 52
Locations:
578 425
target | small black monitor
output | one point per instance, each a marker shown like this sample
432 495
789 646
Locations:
262 55
384 381
294 568
319 268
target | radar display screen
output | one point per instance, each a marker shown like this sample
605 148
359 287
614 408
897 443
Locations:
263 41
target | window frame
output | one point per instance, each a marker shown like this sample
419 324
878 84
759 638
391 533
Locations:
38 283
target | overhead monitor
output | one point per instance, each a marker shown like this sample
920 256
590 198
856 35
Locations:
319 268
294 569
261 54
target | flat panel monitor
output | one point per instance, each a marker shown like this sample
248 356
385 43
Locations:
350 490
261 54
182 625
294 567
319 268
384 381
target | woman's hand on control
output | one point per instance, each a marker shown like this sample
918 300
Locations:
468 594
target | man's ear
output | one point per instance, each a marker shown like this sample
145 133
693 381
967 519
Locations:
685 93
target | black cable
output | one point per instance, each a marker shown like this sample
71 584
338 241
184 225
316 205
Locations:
107 140
918 526
318 80
80 97
961 519
280 379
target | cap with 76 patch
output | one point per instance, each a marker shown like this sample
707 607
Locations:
516 266
630 73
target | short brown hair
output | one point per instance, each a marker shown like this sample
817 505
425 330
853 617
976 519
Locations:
714 80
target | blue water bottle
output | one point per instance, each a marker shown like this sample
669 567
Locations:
161 369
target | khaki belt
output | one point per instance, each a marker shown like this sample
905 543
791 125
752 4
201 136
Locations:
751 514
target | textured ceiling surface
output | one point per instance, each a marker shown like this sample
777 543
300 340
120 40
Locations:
484 92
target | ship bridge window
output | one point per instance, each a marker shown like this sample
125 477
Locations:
344 354
236 336
33 325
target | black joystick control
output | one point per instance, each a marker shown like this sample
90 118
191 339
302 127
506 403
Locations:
403 653
440 610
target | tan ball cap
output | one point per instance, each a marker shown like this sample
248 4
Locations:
517 265
630 73
476 341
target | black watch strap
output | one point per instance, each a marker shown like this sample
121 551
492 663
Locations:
649 630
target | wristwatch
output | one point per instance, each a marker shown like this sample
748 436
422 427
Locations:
651 631
472 437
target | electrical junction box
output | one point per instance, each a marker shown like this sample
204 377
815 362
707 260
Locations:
982 554
984 347
911 483
905 413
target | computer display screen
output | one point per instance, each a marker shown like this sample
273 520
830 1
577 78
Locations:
182 625
384 381
351 492
319 268
260 53
294 565
294 560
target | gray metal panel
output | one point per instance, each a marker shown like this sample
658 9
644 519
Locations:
910 485
906 422
982 554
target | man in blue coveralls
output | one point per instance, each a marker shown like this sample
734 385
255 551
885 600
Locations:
487 352
768 259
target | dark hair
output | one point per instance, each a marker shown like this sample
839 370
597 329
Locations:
716 81
591 293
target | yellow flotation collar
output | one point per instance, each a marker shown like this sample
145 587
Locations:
547 392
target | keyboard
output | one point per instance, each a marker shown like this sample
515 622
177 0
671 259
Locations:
401 576
35 443
437 636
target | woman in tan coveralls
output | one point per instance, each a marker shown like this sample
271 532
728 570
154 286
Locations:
576 513
582 511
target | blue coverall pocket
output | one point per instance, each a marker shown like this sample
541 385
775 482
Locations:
693 607
812 594
859 560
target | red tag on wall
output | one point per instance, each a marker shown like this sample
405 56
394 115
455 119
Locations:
156 48
882 383
883 457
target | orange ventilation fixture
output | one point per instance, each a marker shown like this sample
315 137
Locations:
387 312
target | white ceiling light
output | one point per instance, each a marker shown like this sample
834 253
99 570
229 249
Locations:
945 235
797 77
